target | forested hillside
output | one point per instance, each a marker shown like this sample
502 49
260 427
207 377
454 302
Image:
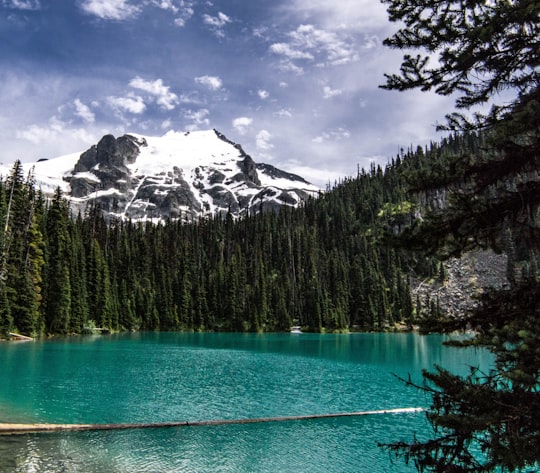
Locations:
321 266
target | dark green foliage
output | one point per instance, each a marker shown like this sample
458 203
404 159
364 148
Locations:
57 308
79 315
320 266
480 191
479 425
6 321
22 255
481 48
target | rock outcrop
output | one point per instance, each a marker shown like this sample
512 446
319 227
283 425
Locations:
466 279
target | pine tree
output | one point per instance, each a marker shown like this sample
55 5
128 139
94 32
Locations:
485 422
78 279
6 321
100 307
23 253
34 264
58 287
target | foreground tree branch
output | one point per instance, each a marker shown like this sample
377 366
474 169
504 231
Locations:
491 193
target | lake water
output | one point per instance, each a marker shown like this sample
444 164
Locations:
162 377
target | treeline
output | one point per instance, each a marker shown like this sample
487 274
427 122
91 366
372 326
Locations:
320 266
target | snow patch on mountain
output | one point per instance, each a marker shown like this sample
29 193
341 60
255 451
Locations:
178 175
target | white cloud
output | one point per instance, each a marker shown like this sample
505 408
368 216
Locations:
110 9
185 14
328 92
182 9
190 98
287 50
337 50
262 140
286 65
123 9
83 111
166 5
371 42
54 130
311 44
198 117
132 104
217 23
241 124
319 176
360 15
262 32
263 94
165 99
22 4
38 134
212 82
284 113
337 134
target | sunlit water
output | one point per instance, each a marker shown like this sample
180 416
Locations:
161 377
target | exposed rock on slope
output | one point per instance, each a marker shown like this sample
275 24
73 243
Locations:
467 278
178 175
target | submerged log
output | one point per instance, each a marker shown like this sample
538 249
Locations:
12 429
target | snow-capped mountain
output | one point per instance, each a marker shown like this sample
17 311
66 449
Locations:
178 175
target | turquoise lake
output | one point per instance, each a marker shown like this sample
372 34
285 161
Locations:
162 377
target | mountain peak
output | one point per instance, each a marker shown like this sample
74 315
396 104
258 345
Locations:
178 175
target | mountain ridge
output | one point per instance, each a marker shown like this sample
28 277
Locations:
183 175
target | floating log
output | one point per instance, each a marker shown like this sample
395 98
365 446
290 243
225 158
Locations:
12 429
18 336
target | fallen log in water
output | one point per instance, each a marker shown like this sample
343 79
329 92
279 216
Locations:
12 429
18 336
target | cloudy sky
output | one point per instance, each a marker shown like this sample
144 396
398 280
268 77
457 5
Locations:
294 81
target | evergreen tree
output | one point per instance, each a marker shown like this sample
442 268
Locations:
34 263
6 321
58 281
485 422
78 279
22 253
99 287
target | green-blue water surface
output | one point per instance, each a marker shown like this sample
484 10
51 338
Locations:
161 377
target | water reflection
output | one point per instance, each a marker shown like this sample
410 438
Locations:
344 445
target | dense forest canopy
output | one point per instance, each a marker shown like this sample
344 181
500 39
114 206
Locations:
320 266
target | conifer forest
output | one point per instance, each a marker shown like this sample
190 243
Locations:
321 266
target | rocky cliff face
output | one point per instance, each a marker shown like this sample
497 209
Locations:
514 221
467 278
178 175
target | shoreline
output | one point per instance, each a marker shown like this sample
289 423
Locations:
397 327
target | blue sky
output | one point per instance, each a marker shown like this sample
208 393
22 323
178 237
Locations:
294 81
